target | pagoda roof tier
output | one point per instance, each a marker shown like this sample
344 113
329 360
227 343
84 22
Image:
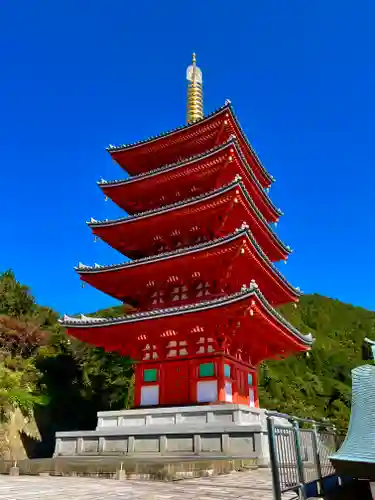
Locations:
190 177
183 142
244 317
185 223
220 266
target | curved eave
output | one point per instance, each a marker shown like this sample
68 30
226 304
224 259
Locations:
165 168
245 294
233 142
191 201
113 150
169 133
83 270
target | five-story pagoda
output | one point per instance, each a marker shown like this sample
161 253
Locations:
201 273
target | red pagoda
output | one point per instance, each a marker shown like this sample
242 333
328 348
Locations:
201 276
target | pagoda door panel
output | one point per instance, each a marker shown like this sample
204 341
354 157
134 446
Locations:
176 383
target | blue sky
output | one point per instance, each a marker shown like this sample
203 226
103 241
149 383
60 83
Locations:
79 75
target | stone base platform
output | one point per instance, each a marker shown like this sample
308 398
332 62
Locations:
228 430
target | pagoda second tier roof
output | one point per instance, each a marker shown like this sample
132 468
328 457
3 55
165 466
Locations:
213 214
186 141
258 326
228 261
192 176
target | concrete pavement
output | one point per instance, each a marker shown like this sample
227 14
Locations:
249 485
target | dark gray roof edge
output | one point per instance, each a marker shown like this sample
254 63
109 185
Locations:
245 293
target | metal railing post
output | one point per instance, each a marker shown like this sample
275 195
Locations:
276 484
315 446
300 470
336 438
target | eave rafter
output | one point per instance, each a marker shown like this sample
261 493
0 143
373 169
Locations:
220 131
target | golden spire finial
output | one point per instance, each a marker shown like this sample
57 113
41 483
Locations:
195 93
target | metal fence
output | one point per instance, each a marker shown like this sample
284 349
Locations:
299 451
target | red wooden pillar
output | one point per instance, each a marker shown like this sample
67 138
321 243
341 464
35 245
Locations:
220 379
193 379
137 385
235 374
255 387
162 385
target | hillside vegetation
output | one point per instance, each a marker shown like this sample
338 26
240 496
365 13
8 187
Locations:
50 382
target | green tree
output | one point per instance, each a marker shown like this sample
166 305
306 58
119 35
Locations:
15 299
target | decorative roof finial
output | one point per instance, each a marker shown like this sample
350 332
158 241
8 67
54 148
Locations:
195 92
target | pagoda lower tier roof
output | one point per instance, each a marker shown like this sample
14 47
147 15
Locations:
185 223
211 268
245 318
183 142
190 177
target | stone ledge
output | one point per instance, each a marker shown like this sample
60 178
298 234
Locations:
246 443
181 409
207 415
163 430
161 470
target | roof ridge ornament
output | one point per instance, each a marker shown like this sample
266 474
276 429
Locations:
253 285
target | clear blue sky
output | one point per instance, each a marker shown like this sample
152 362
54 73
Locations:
77 75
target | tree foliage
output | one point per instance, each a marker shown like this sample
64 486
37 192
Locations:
18 386
15 299
20 338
